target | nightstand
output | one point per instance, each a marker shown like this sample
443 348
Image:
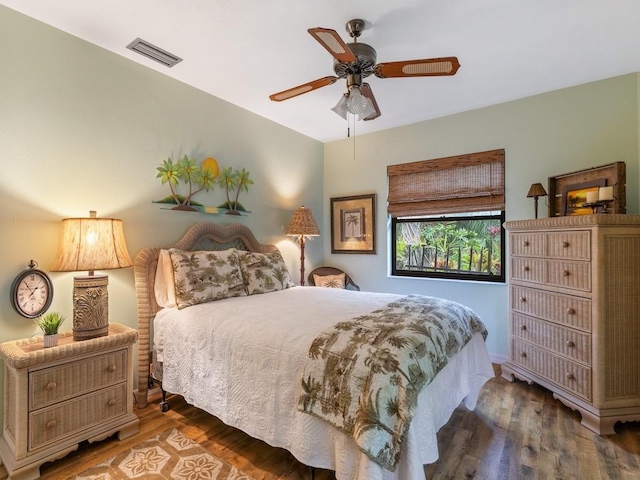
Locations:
57 397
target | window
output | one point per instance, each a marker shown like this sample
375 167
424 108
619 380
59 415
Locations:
447 217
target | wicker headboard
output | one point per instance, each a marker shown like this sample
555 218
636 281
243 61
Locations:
201 236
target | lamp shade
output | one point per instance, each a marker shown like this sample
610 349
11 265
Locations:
91 244
536 190
302 223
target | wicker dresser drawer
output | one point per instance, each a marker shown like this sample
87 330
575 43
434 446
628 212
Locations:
528 269
527 244
569 375
53 423
555 307
568 342
51 385
574 275
571 245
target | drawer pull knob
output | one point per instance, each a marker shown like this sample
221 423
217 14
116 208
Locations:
566 273
523 327
526 243
51 424
565 244
111 402
570 344
51 385
523 299
523 354
525 268
571 311
570 376
112 368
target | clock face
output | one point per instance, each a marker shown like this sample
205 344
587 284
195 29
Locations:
31 293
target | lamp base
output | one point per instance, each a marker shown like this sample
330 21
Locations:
90 307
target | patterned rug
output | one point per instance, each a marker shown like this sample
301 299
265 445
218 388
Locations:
169 455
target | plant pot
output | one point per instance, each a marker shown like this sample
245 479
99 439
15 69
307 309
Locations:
50 340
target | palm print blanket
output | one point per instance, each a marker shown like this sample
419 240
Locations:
363 376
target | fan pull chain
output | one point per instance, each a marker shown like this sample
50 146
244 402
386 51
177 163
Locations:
354 137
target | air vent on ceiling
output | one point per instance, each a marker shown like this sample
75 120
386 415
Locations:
154 53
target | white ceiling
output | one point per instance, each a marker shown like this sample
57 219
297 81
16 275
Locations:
242 51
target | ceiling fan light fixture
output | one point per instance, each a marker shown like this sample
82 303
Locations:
368 111
357 103
341 106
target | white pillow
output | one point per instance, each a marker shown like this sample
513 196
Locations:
164 287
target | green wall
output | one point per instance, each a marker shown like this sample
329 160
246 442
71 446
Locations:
84 129
543 136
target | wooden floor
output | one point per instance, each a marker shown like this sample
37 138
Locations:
517 431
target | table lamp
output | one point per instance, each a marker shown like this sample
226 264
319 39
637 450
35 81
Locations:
536 190
301 226
91 244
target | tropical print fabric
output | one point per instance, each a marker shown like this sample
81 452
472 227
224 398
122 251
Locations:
264 272
363 376
330 281
205 276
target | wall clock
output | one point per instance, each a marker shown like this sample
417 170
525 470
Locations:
31 292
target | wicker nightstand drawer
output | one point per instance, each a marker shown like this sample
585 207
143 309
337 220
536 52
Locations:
555 307
567 374
568 342
51 424
52 385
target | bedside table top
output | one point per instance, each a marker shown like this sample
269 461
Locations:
30 351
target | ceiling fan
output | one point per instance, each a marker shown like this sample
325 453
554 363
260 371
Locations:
354 62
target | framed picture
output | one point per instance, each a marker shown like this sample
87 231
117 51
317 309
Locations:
565 190
353 224
575 196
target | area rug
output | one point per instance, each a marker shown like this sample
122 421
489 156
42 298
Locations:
169 455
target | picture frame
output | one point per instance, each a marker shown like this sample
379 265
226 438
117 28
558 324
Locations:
575 196
353 224
612 174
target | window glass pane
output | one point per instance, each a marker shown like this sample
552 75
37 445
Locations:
466 246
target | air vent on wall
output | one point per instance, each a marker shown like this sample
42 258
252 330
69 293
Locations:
154 53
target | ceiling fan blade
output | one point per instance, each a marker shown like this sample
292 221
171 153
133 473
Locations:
330 40
304 88
430 67
367 92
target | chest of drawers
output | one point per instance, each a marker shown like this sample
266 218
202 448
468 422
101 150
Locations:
574 313
56 397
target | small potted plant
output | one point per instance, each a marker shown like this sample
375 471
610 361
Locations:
49 323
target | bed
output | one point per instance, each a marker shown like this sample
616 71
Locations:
245 359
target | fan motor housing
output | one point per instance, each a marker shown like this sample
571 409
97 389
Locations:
364 64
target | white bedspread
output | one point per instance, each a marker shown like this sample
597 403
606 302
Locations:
241 359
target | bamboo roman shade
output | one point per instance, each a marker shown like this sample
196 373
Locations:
465 183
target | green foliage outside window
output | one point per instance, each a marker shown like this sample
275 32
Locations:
455 247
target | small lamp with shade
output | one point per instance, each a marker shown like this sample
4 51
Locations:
91 244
